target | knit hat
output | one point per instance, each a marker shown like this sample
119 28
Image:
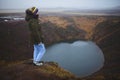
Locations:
34 10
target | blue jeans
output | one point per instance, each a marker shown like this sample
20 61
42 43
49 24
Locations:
39 50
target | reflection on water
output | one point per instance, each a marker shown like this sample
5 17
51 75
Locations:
82 58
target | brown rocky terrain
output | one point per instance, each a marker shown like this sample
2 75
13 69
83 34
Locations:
16 48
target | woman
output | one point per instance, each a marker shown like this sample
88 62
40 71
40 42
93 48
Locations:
36 35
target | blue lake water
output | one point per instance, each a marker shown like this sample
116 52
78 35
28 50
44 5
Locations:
81 58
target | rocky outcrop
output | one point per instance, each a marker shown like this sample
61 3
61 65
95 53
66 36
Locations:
25 70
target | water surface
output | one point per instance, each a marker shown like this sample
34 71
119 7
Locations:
81 58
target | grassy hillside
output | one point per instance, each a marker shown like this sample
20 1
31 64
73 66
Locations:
16 46
106 35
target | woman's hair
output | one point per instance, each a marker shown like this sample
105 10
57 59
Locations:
31 13
28 12
35 16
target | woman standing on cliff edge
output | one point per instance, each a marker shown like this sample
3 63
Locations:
36 35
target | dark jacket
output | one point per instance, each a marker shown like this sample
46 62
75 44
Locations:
34 27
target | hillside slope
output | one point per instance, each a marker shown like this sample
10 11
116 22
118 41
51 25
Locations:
15 45
106 35
25 70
